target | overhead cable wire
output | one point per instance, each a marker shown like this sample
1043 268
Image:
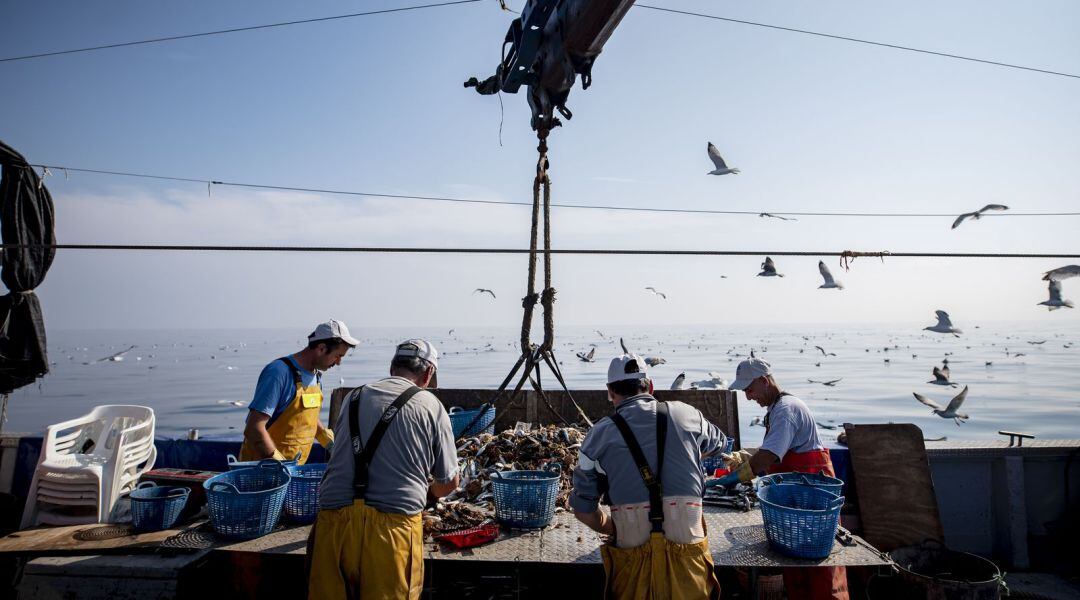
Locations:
579 251
861 41
234 30
699 211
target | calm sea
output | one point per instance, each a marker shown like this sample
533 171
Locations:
1022 377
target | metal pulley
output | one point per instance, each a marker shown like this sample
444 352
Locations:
547 47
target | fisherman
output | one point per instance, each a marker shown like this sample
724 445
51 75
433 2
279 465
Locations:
368 538
791 444
283 417
645 462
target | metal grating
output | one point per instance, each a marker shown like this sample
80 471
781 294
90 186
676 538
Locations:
104 532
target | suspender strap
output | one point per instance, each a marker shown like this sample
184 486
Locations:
652 482
295 372
362 454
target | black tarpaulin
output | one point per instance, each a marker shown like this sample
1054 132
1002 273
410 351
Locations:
26 218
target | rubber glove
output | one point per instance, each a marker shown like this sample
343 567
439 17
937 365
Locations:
736 459
277 455
325 437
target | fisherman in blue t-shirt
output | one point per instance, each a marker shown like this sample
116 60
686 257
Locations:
283 417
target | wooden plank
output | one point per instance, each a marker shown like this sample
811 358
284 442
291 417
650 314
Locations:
81 539
894 491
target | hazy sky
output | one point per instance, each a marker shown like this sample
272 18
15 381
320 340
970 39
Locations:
377 104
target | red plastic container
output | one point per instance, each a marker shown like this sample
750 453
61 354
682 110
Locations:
471 537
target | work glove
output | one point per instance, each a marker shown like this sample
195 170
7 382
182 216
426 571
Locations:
736 459
325 437
277 455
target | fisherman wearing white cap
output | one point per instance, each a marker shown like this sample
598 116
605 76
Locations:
368 538
791 444
283 417
644 461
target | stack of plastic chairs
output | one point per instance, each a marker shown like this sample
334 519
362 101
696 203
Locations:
87 464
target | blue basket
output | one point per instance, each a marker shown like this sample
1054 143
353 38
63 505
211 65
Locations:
526 499
710 464
302 497
155 508
800 520
246 503
235 464
460 419
824 482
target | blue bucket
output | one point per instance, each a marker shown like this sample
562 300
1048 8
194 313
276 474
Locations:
824 482
800 520
526 499
155 508
246 503
460 419
302 497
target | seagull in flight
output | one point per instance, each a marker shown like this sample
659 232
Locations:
718 162
657 292
941 376
653 361
944 324
484 291
768 269
1062 273
977 214
824 353
948 412
623 344
1055 302
588 357
777 217
678 383
831 383
119 356
827 275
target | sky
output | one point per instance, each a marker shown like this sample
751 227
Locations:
376 104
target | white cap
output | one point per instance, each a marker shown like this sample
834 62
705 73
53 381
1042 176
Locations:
627 366
332 329
420 349
749 370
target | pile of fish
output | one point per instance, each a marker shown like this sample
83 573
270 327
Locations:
523 448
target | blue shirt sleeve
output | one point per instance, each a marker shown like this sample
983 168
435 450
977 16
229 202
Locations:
274 381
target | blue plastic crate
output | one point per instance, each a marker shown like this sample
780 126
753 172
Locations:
710 464
460 419
829 484
526 499
800 520
154 508
247 503
302 497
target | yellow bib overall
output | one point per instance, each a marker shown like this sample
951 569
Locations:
294 429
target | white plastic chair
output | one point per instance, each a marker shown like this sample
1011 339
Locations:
87 464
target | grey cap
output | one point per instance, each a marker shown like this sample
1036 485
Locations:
749 370
333 329
424 350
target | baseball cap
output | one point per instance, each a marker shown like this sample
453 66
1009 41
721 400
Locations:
749 370
333 329
627 366
424 350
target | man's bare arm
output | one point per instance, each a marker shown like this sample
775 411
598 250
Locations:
256 436
598 521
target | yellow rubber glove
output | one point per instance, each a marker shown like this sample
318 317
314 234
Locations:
325 437
745 473
277 455
735 460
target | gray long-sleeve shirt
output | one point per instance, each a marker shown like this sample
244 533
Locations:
419 441
689 436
